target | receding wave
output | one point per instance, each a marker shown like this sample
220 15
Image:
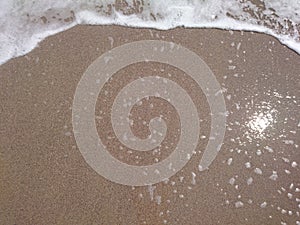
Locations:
24 23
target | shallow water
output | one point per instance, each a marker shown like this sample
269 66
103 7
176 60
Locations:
24 24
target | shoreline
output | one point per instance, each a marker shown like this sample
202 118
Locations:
45 179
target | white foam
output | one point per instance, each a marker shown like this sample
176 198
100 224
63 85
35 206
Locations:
23 24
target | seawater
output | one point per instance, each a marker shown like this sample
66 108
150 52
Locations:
24 23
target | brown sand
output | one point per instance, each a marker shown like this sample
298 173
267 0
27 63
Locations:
45 180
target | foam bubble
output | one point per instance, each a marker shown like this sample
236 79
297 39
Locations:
24 24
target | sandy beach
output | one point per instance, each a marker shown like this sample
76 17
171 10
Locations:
44 179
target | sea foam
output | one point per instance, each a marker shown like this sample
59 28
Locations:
24 23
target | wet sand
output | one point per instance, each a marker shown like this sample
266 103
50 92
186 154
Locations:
44 179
